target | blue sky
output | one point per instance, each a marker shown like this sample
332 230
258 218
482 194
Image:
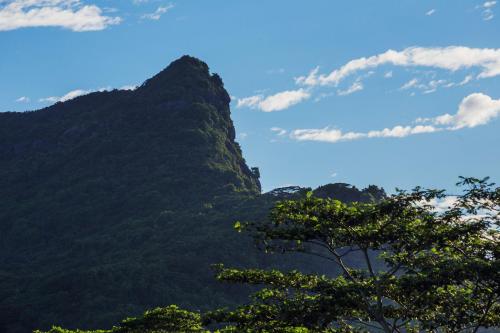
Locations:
394 93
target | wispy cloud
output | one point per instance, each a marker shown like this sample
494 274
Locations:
277 102
80 92
433 85
68 14
410 84
356 86
450 58
466 80
430 12
334 135
487 7
275 71
279 131
23 99
251 101
474 110
489 4
158 13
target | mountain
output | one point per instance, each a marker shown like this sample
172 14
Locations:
175 128
116 202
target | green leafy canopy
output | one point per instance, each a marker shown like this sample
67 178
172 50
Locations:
421 270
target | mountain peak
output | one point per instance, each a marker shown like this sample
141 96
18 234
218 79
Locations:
189 77
187 61
185 65
177 123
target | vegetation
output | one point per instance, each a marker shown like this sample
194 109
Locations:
423 270
118 202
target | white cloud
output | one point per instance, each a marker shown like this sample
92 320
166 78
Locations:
443 204
72 94
488 15
432 85
23 99
310 80
283 100
410 84
356 86
251 102
242 136
80 92
277 102
279 131
485 62
474 110
450 58
335 135
68 14
430 12
466 80
158 13
487 8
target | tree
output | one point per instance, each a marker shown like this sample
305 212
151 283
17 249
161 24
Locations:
421 269
405 267
159 320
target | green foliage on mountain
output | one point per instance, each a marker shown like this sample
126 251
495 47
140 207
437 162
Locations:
118 202
437 272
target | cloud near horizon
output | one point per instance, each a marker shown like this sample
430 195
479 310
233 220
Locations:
474 110
80 92
70 95
68 14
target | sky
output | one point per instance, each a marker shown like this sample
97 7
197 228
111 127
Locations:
396 93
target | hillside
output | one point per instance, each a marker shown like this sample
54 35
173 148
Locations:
116 202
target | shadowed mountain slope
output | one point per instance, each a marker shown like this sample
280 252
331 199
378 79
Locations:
116 202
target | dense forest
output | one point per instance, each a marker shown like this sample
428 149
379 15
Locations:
419 269
117 202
